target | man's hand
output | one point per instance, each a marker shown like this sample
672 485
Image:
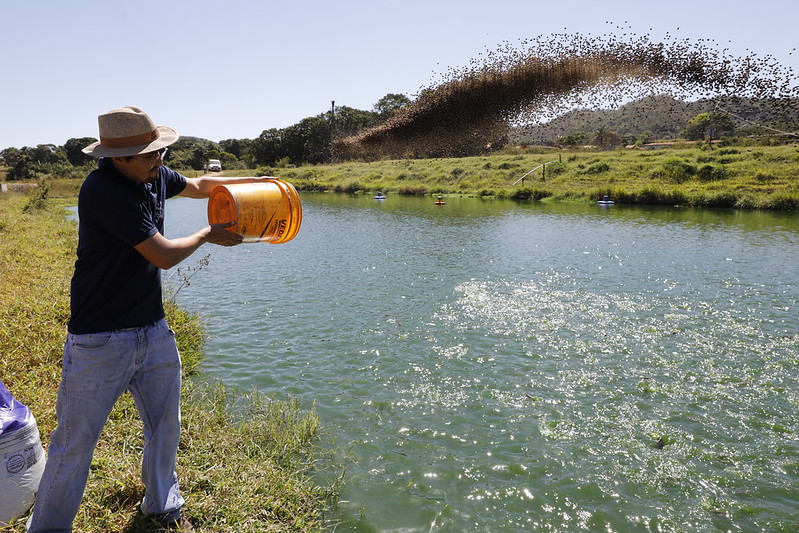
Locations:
221 236
166 253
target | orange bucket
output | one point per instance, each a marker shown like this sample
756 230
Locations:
262 212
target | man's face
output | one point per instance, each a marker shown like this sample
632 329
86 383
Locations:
142 168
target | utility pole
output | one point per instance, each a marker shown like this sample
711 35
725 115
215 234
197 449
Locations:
332 127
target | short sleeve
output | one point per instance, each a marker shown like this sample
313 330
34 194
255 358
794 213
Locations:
122 213
175 182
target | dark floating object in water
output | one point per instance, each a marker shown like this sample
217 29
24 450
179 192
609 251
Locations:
471 111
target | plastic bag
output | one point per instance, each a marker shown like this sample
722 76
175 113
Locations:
13 414
21 458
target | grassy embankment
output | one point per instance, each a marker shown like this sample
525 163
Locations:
735 176
245 461
749 177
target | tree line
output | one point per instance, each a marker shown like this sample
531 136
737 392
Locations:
309 141
306 142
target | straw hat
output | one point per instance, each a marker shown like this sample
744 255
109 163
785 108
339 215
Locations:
129 131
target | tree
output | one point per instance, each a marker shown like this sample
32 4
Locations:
11 156
45 154
604 138
237 147
573 139
18 163
308 141
350 121
27 163
74 150
390 104
266 149
708 125
192 152
228 160
197 159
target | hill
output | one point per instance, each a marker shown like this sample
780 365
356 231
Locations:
662 117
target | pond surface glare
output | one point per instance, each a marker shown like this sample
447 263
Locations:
491 366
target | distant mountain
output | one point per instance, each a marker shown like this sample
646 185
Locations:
663 117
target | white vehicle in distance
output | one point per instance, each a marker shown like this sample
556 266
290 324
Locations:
213 165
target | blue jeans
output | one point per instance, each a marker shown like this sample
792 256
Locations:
96 370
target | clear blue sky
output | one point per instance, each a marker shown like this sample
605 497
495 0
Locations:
231 69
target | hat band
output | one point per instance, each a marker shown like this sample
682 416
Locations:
127 142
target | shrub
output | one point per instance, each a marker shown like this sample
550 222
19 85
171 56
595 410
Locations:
711 173
658 196
596 168
37 200
283 162
522 194
350 188
312 187
764 177
413 191
265 171
676 170
784 201
529 194
555 169
720 199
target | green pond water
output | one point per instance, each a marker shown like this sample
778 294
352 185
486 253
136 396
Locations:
493 366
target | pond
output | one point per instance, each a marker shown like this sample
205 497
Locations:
493 366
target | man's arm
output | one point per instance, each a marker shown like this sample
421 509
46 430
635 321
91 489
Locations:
166 253
202 186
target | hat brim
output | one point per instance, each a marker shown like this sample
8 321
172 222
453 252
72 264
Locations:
166 137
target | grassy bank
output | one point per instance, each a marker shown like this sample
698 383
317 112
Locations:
762 177
245 461
749 177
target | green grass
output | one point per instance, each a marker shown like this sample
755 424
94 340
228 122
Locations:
246 462
762 177
740 176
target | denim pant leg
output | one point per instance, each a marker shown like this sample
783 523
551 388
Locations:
95 371
156 390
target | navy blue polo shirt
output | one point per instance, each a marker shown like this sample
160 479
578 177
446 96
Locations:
114 286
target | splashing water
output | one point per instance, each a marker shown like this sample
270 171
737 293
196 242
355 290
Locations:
630 399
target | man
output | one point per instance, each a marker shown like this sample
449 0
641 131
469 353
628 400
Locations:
118 339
